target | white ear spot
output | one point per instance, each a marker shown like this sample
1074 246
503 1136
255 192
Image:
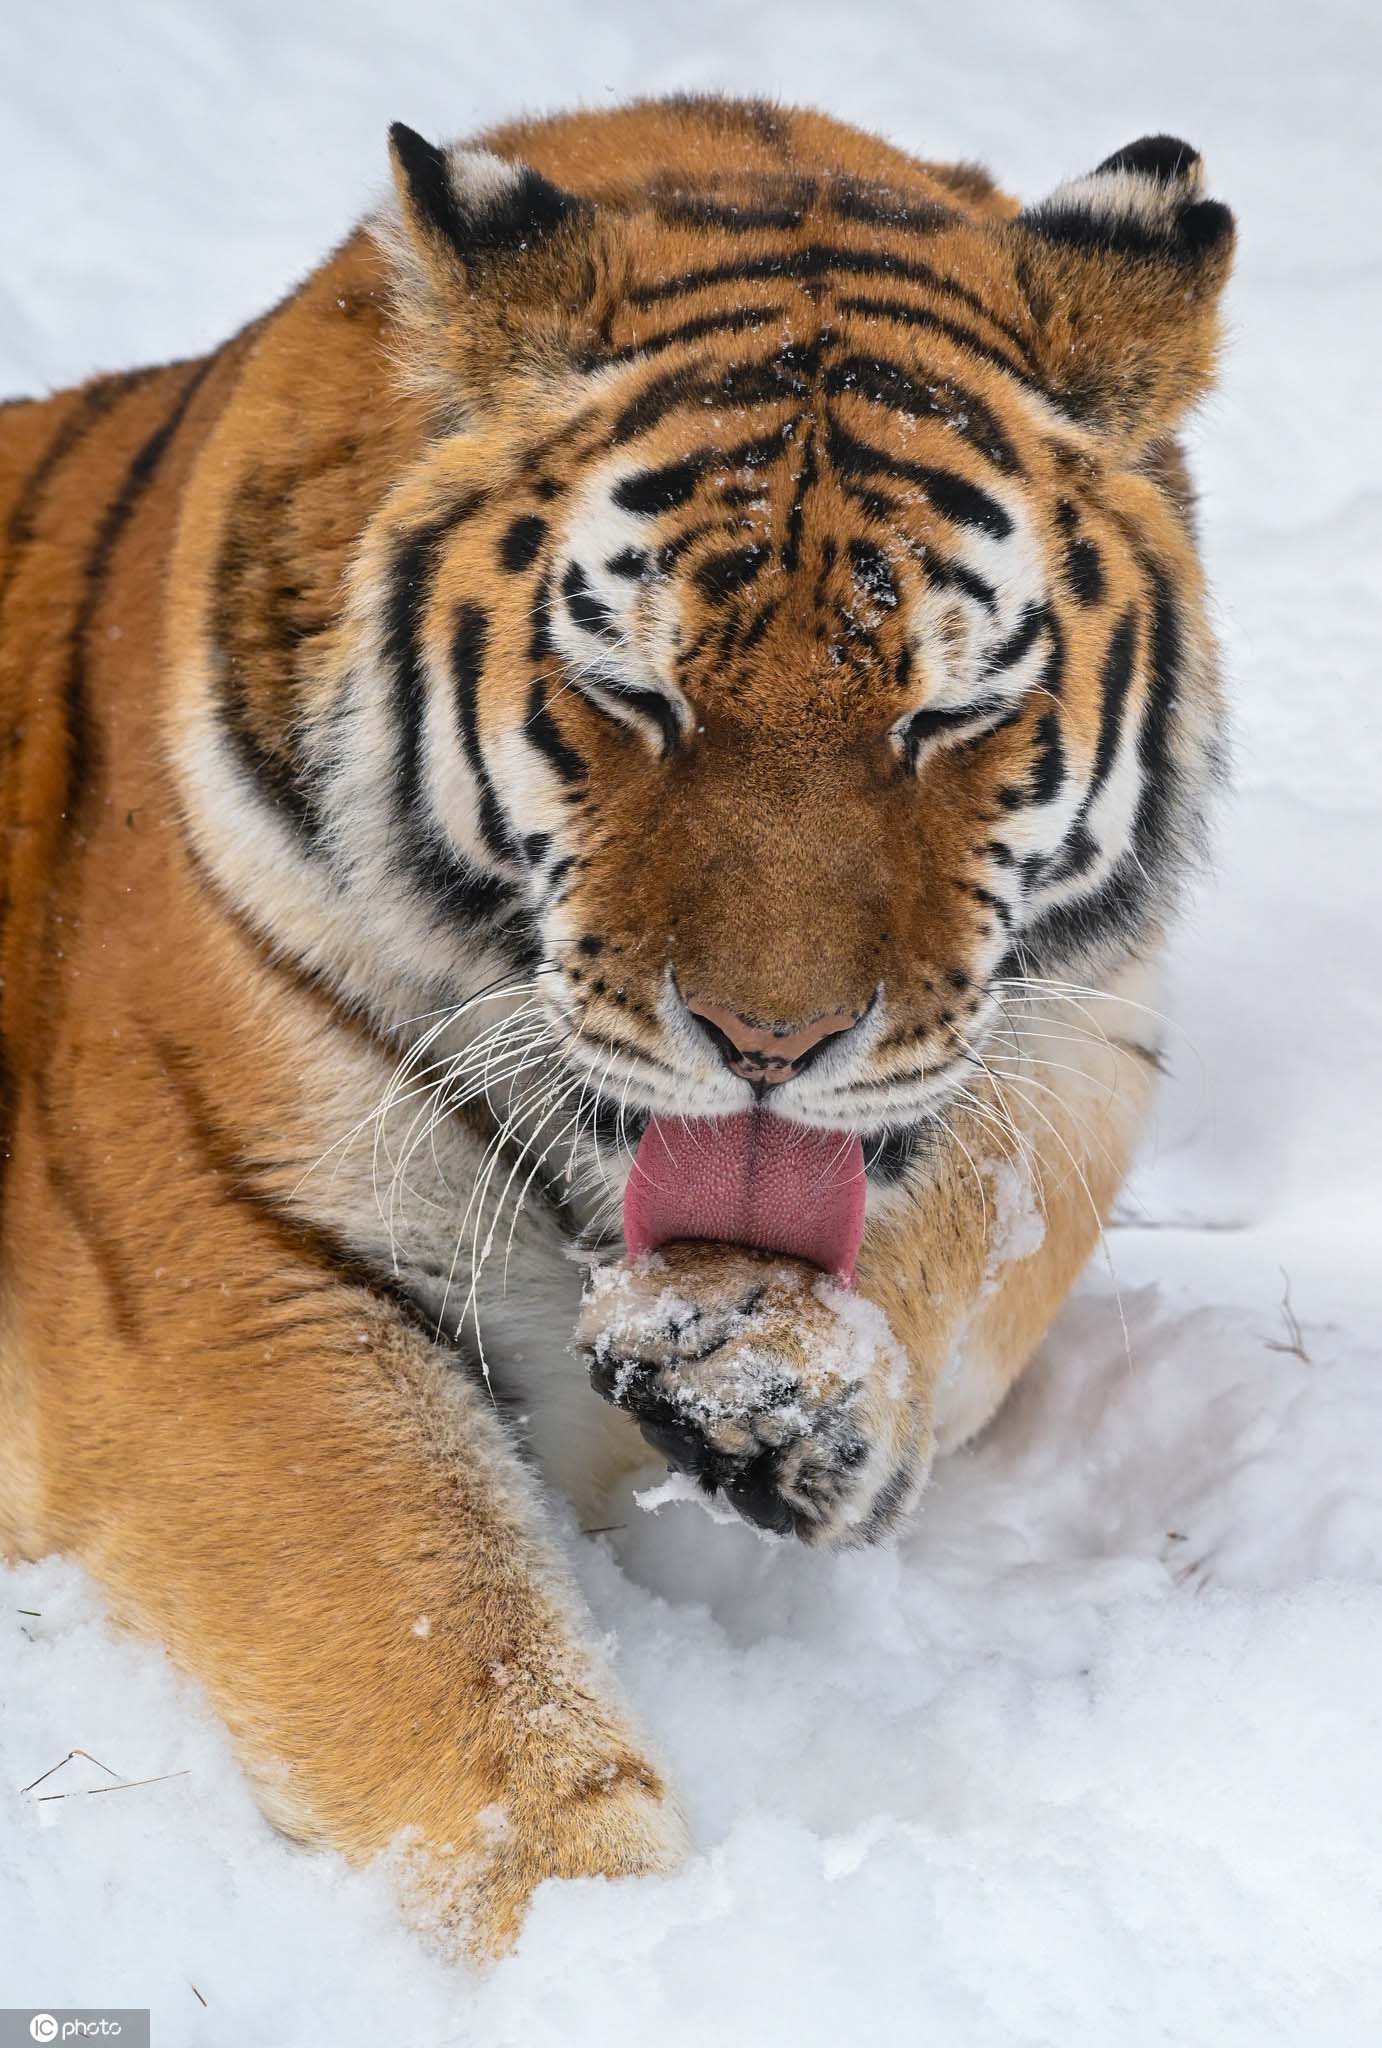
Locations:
467 205
1149 182
1143 200
480 180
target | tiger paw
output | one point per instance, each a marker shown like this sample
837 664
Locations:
766 1382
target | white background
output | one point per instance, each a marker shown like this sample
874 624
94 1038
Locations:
1095 1758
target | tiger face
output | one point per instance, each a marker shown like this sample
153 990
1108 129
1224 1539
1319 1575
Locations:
801 860
818 624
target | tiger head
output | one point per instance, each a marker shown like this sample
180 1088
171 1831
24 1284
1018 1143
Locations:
789 639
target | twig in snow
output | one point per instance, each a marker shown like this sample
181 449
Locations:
67 1760
196 1993
125 1785
1294 1347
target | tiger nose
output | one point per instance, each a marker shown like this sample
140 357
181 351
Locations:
767 1053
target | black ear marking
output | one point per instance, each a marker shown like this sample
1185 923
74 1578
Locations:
428 179
1122 270
1155 156
476 203
1204 225
1144 200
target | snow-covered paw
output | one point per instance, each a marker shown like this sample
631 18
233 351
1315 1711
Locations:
765 1381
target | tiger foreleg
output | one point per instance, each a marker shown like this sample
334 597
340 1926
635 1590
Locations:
324 1521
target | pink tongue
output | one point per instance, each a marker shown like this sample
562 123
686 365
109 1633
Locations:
750 1179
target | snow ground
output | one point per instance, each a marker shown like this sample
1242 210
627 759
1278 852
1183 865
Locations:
1095 1758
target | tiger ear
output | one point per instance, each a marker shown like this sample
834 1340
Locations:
466 207
1123 269
490 260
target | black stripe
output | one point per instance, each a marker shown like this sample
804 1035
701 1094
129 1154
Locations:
819 260
1164 157
720 577
81 740
801 485
556 875
1116 910
963 502
693 209
457 892
651 491
469 640
541 728
1084 571
1048 769
1080 848
1159 805
876 504
994 903
735 320
454 889
758 626
649 704
660 490
1019 642
540 643
875 206
238 1178
1114 684
410 588
95 402
671 552
873 573
908 314
933 724
951 495
661 395
706 113
21 529
769 380
585 609
777 379
523 539
883 383
257 617
119 1273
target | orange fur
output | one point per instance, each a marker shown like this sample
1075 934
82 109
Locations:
209 1392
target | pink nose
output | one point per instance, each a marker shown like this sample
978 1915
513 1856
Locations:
767 1053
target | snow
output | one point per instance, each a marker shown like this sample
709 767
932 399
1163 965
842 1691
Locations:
1095 1756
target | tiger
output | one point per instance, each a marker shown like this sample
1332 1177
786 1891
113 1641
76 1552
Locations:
592 808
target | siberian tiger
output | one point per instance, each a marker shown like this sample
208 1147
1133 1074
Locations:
672 672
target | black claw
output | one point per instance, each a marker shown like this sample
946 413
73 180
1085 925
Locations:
757 1499
607 1374
678 1442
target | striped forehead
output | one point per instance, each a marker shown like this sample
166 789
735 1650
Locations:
905 496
